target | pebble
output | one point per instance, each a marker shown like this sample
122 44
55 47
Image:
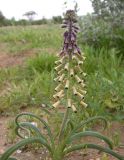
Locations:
18 151
34 124
1 151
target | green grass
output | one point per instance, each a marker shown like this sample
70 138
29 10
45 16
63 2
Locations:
42 63
29 93
32 83
18 39
105 83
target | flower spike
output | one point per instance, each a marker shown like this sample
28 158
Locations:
70 75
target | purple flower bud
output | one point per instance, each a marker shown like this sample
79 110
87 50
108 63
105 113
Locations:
65 22
61 53
78 50
66 34
70 37
75 31
63 26
75 50
70 47
74 21
73 38
76 28
66 41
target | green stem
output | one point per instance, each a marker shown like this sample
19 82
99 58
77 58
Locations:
63 123
67 109
58 153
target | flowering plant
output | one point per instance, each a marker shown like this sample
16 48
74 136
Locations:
69 85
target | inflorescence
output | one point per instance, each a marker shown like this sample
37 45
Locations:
70 76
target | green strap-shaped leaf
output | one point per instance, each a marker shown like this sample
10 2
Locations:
92 134
30 126
41 120
64 124
89 121
10 158
24 142
69 122
93 146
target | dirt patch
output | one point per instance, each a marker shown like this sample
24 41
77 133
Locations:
7 60
3 135
79 155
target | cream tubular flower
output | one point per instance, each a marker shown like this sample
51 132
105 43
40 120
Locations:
80 62
61 78
71 72
78 79
55 105
66 67
57 78
58 67
58 88
80 95
82 91
60 93
74 108
83 85
69 103
67 84
74 91
83 104
60 72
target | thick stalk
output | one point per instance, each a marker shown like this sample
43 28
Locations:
63 123
58 153
67 109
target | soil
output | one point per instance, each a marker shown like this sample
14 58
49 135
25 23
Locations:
42 154
8 60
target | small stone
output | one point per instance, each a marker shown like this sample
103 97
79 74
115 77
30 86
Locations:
33 99
34 124
1 151
18 151
43 105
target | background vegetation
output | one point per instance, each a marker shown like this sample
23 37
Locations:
29 21
101 39
32 84
105 27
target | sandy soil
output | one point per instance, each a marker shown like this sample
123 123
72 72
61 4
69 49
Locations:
42 154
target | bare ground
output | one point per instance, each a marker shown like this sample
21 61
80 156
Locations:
42 154
8 60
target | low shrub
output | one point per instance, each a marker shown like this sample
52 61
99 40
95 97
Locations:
100 33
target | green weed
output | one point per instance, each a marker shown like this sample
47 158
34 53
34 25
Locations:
19 39
104 81
42 62
29 84
28 93
32 84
